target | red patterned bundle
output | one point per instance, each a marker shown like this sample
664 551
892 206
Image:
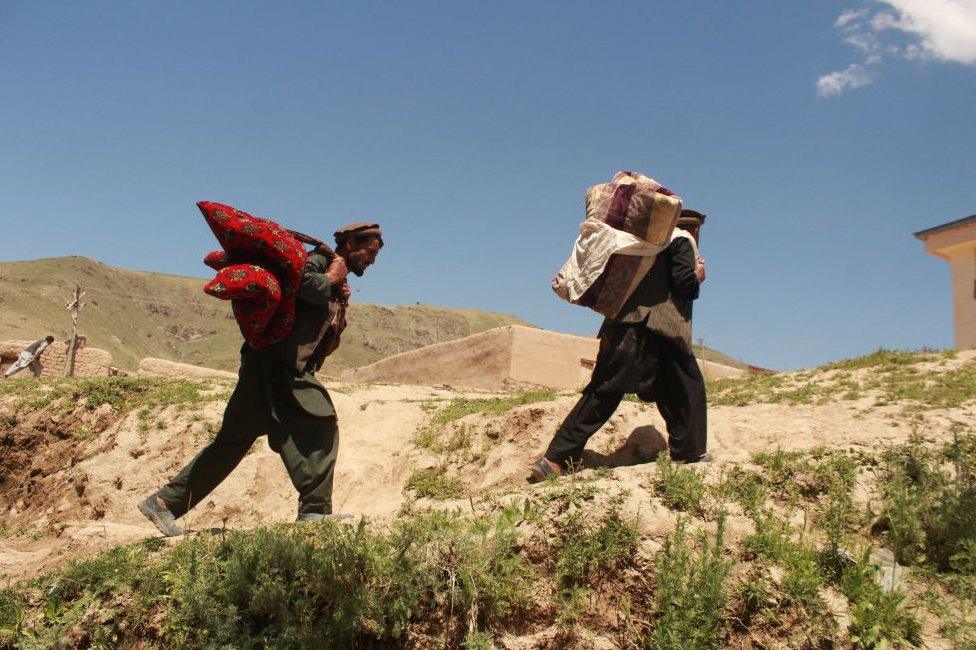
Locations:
259 269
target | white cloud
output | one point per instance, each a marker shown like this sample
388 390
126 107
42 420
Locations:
943 30
883 20
946 29
863 41
853 76
849 17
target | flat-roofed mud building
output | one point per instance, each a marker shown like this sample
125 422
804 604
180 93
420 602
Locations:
511 357
955 242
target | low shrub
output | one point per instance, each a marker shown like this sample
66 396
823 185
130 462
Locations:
690 591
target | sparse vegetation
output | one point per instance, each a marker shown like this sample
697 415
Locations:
177 321
887 376
826 548
435 483
680 487
456 579
120 393
690 592
589 552
460 407
929 512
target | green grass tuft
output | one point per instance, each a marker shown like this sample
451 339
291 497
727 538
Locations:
690 593
591 551
680 487
434 483
460 407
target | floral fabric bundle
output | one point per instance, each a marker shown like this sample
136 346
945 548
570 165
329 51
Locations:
259 270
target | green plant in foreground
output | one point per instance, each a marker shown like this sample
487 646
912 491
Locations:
460 407
795 475
879 617
746 488
776 542
680 487
929 511
435 483
589 551
11 614
690 593
318 585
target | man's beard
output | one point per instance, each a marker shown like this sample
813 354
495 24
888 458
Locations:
356 265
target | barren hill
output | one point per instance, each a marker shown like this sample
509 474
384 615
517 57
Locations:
137 314
838 514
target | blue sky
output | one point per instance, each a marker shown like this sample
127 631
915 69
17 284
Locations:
470 131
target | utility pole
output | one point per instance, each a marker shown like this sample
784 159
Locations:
701 348
74 307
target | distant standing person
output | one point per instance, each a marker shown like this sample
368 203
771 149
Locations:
646 350
277 394
30 357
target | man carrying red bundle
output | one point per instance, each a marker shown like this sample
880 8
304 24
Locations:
277 394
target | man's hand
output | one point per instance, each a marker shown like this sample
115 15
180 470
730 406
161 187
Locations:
700 269
344 292
337 271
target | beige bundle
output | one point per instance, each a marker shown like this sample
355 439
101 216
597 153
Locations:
628 222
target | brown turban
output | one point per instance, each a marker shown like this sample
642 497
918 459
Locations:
691 219
357 229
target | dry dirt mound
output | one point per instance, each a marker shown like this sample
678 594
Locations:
74 466
809 465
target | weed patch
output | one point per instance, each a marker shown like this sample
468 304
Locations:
591 551
320 585
460 407
680 487
930 504
434 483
690 593
121 393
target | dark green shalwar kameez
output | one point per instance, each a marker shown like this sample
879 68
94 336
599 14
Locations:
277 394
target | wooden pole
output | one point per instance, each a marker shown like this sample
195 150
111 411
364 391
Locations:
74 307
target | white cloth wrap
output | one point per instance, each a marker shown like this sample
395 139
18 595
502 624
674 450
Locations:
595 245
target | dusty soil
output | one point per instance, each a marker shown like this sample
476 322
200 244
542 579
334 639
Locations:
64 495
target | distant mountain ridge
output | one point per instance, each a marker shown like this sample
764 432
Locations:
137 314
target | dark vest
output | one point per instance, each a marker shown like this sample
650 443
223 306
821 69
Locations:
654 305
315 336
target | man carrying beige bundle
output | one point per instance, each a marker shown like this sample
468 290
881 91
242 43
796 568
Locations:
277 394
646 349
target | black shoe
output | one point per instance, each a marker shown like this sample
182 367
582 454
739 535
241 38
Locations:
160 516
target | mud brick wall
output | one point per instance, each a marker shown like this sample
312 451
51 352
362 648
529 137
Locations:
89 362
150 367
505 358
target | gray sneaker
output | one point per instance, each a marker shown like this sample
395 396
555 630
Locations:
160 516
304 517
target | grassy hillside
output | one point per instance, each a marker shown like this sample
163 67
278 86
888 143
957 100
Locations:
136 314
840 535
